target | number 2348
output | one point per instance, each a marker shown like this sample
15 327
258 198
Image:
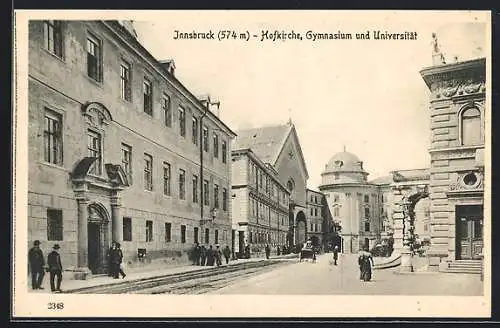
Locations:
55 306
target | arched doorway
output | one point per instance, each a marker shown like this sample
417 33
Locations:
300 236
98 242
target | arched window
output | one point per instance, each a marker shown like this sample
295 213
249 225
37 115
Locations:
470 120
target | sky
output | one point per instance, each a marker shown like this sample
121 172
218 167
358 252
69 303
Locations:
366 95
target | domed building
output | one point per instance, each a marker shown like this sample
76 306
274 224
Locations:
353 201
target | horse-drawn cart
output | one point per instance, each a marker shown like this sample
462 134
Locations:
307 253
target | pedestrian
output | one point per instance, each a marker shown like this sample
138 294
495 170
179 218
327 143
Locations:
110 265
120 257
278 250
247 251
365 261
115 259
218 255
203 255
37 265
227 253
210 256
335 254
55 269
268 251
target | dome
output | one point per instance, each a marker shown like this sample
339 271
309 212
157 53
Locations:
344 162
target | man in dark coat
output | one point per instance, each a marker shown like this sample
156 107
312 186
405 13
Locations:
55 269
37 263
203 255
268 251
115 258
335 254
218 255
120 256
210 256
227 253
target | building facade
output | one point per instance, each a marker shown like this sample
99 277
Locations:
116 146
260 203
319 220
353 201
456 191
278 147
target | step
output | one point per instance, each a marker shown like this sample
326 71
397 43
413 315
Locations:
470 271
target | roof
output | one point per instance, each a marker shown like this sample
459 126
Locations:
382 180
411 175
344 162
266 142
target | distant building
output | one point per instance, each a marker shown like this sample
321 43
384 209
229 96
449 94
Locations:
279 149
319 219
114 150
260 203
456 191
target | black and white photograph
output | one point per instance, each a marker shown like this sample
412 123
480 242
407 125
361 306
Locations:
252 163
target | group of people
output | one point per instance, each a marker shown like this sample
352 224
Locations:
38 267
115 259
200 255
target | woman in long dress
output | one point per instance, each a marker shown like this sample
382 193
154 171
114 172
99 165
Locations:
365 261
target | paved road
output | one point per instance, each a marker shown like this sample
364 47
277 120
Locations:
324 278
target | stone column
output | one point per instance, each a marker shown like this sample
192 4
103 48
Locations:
82 272
116 220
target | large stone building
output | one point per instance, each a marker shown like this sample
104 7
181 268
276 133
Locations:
278 147
115 149
260 203
319 219
456 191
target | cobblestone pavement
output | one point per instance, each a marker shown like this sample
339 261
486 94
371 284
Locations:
323 277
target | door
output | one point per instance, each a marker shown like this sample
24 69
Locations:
469 232
93 246
241 242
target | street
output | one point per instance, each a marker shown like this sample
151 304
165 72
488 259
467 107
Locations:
325 278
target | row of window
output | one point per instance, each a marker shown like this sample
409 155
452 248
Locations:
55 229
54 44
314 199
150 233
314 211
266 237
265 213
262 182
316 227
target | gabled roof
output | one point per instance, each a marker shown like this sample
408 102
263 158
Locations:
388 179
411 175
266 142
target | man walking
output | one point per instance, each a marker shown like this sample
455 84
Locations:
268 251
335 254
203 255
55 269
227 253
37 263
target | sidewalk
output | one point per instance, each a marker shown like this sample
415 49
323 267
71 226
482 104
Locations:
69 284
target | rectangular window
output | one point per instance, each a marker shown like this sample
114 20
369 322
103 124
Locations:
207 235
367 198
167 110
311 211
53 37
183 234
216 196
336 211
182 184
168 232
315 212
125 81
127 229
127 161
166 179
148 172
52 134
149 231
205 138
182 122
195 233
224 199
54 224
367 226
206 193
224 151
216 239
367 213
194 131
195 188
147 90
95 150
216 146
94 58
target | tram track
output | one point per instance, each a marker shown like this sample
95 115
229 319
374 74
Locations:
193 282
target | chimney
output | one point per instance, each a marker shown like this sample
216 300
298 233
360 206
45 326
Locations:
213 105
169 65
